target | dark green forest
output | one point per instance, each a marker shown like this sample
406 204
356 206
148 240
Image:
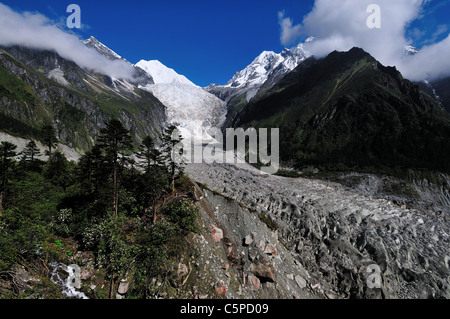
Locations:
130 206
349 112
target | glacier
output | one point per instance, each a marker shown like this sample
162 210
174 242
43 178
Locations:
191 108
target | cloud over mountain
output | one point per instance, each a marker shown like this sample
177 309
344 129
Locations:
36 31
341 25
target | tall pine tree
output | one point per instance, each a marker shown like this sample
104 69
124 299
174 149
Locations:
172 153
49 135
148 155
7 154
30 153
116 142
154 179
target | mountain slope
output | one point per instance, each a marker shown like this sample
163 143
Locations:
265 71
39 87
268 66
348 109
190 107
162 74
439 89
442 89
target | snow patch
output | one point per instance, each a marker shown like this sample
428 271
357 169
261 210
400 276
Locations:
58 76
161 74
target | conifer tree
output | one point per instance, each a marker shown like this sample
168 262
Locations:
49 135
172 153
115 141
154 179
30 153
7 154
148 155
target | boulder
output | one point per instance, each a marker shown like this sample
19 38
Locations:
180 277
270 250
123 288
254 283
300 281
263 272
86 274
248 240
216 233
220 288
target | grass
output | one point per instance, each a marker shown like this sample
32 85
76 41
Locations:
266 220
288 173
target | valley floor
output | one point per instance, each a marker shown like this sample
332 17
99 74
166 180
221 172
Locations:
348 243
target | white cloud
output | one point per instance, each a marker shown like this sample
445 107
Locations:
341 25
289 32
432 62
36 31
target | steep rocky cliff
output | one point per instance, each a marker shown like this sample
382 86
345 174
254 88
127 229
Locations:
39 87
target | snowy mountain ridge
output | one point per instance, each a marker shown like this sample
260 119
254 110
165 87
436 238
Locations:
161 74
267 64
266 70
189 106
102 49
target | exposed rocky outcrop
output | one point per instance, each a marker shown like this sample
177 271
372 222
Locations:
49 89
236 267
326 238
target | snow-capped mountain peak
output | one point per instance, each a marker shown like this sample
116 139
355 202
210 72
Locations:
161 74
265 65
410 50
189 106
102 49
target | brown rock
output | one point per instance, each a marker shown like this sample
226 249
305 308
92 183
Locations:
216 233
86 274
263 272
270 250
181 276
254 283
221 289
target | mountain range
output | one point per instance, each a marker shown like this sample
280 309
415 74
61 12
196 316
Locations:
346 109
251 235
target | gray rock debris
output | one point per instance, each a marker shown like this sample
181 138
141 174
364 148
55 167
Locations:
330 236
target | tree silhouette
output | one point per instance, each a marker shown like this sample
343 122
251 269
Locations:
148 155
30 152
7 154
172 153
49 135
115 141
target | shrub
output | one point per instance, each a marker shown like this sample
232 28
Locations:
183 214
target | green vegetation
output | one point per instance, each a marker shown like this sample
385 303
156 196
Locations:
15 89
132 221
347 112
269 222
288 173
76 110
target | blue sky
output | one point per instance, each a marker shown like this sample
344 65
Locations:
208 41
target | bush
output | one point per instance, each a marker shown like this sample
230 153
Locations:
19 237
184 215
